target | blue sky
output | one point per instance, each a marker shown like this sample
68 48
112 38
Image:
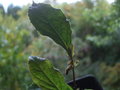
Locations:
5 3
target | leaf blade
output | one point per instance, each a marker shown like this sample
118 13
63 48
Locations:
45 75
51 22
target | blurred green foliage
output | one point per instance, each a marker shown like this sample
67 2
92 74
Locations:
14 39
96 38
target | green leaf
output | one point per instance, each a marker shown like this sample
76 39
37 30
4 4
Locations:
45 75
53 23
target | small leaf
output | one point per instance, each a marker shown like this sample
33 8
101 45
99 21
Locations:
51 22
45 75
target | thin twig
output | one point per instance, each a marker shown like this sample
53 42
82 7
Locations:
73 72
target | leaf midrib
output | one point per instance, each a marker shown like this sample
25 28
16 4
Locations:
47 22
50 79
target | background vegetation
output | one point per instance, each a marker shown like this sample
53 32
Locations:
96 38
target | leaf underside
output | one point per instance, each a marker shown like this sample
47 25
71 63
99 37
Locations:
45 75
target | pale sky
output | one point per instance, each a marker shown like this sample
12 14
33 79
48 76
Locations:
5 3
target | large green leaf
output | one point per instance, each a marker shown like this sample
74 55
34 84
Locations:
53 23
45 75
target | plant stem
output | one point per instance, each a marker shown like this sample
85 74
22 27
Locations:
73 67
73 72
